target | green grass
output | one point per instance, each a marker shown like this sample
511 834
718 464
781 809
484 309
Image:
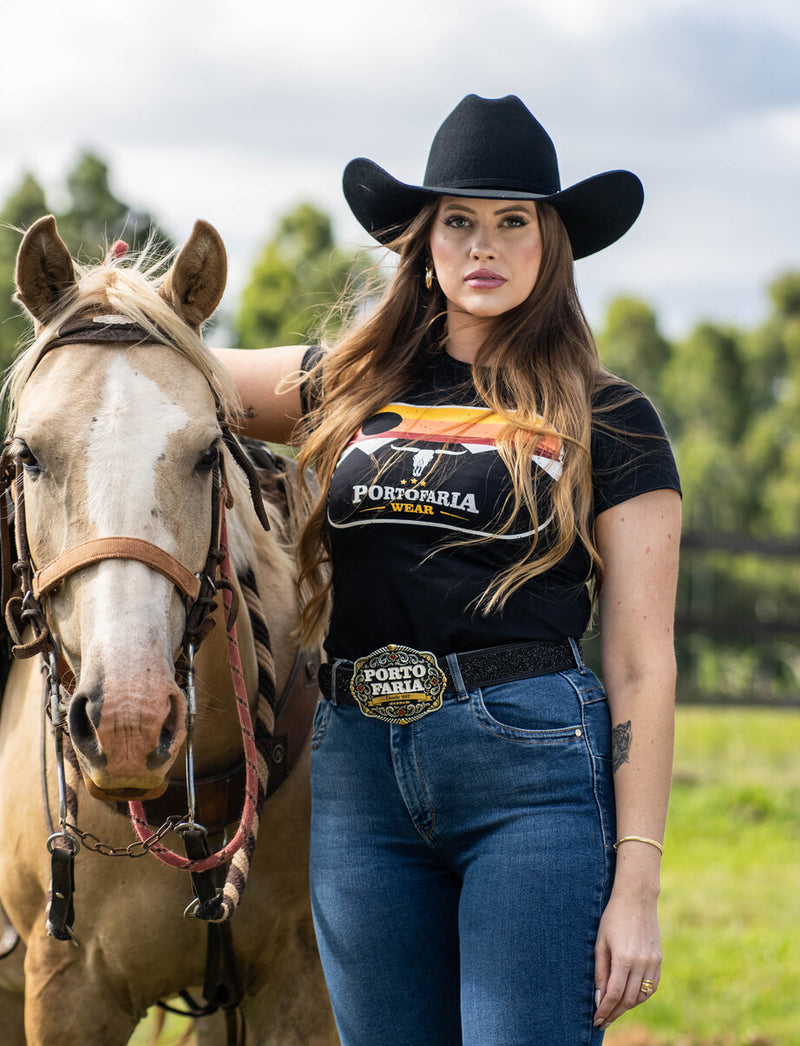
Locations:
730 903
173 1031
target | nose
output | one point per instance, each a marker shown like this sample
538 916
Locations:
85 711
127 738
482 245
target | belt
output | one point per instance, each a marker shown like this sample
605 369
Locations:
478 668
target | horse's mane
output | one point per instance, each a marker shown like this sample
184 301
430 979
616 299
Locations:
128 289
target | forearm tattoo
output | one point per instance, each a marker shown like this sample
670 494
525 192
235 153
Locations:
620 744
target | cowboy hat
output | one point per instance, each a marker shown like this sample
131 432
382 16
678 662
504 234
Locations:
494 148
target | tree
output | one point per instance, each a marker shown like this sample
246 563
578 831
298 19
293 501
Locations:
773 449
25 204
298 277
632 346
93 219
731 399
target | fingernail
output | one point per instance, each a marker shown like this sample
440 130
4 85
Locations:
597 998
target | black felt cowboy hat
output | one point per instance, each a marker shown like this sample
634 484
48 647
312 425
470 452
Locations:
494 148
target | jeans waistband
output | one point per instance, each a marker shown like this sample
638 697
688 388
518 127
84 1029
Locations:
486 667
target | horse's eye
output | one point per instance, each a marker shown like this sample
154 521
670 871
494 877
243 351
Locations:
27 458
208 458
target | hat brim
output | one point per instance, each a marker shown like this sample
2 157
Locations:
596 212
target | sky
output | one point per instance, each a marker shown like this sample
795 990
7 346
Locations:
235 111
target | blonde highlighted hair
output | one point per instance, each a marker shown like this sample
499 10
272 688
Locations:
539 361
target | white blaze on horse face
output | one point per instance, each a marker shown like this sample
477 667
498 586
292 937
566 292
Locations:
129 435
131 616
130 431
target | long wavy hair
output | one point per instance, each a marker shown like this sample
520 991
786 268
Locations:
538 361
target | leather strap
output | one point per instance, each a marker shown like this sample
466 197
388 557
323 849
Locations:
98 549
486 667
61 910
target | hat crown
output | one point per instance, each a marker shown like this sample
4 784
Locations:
493 143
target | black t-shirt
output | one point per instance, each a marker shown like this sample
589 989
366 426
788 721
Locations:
421 479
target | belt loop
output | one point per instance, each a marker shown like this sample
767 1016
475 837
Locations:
334 666
576 653
454 676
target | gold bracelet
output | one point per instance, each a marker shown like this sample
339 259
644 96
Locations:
638 839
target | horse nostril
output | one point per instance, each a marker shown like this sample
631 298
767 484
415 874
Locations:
85 710
163 750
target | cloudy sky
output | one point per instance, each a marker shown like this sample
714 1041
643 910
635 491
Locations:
234 110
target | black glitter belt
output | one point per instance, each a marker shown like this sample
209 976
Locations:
479 668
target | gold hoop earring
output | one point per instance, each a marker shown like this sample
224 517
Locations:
429 276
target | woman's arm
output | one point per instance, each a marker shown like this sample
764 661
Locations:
638 542
267 385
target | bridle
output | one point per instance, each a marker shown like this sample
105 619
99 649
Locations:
27 608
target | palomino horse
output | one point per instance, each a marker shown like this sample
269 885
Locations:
119 447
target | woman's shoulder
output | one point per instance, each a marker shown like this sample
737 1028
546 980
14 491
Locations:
618 406
631 453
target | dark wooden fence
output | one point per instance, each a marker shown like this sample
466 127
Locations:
732 630
747 628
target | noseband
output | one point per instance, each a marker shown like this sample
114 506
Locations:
99 549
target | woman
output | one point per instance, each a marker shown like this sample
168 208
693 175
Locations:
487 825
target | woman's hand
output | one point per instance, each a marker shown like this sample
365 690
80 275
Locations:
628 948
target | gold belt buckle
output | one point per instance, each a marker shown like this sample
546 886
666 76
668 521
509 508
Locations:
398 684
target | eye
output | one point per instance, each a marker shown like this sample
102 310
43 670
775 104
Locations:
209 458
456 221
515 221
25 456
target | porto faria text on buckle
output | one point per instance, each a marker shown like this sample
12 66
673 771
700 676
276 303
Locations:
398 684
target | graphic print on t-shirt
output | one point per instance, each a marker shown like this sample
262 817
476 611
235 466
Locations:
435 466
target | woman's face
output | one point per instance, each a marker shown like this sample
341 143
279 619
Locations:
486 254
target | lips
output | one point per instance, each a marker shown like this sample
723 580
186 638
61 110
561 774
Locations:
484 279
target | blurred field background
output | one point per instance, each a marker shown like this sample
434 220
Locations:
730 904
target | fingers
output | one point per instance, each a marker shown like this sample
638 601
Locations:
626 987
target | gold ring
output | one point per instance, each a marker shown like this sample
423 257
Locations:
647 987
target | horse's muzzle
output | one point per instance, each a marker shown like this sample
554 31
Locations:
126 742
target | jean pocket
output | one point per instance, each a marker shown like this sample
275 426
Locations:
540 710
322 717
596 713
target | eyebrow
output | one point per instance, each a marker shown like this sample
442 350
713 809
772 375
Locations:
516 206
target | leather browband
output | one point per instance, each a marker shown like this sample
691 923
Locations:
98 549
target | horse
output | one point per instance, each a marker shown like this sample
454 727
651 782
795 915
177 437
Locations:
126 479
12 984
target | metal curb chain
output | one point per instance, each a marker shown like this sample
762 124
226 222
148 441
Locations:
138 848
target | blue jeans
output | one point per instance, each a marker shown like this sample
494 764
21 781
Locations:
460 865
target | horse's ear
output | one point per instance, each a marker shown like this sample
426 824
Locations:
194 284
45 273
